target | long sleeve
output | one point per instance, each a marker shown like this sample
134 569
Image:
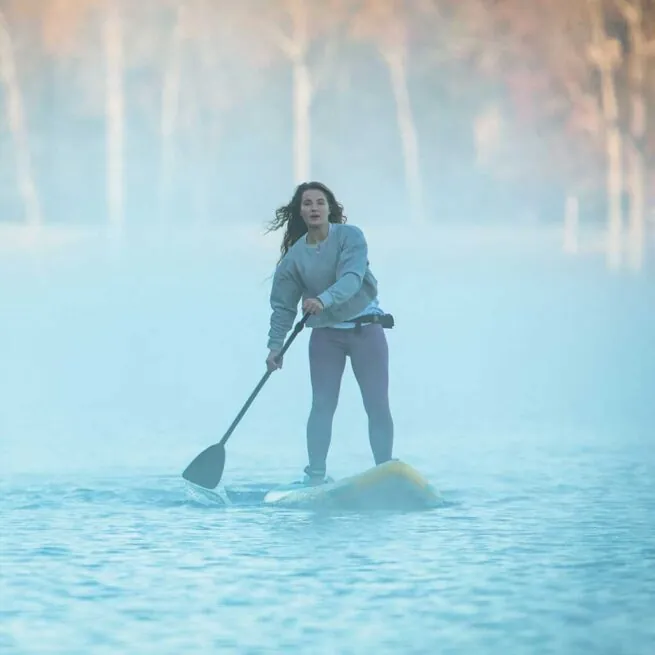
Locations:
351 269
286 293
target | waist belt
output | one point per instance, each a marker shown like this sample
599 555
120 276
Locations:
385 320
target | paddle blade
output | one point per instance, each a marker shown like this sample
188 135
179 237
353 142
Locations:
206 469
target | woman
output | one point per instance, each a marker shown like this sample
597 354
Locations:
324 262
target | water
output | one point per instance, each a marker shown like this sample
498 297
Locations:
522 387
551 551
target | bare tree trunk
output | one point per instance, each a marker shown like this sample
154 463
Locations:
16 120
302 103
306 78
633 13
605 54
296 49
571 243
636 164
614 192
115 106
408 134
170 110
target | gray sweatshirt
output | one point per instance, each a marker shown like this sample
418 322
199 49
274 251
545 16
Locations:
335 271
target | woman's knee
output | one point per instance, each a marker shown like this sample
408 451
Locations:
325 405
378 409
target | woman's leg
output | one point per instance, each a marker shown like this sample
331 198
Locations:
327 361
369 354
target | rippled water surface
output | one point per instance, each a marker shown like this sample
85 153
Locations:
550 552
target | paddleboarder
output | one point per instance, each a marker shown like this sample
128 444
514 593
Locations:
324 263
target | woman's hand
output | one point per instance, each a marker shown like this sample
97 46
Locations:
273 361
312 306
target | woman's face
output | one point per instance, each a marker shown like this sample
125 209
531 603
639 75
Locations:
314 208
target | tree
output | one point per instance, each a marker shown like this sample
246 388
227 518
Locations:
114 44
9 77
639 16
170 104
60 23
606 55
304 32
207 72
388 25
562 66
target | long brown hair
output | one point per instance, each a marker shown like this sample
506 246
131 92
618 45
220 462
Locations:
288 216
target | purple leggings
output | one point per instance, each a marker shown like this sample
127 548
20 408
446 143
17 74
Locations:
369 356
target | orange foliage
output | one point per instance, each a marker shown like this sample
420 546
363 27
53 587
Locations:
58 21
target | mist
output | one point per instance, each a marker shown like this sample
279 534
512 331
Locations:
138 179
138 355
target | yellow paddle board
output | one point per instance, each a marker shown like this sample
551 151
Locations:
392 485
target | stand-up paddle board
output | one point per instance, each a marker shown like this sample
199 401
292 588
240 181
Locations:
392 485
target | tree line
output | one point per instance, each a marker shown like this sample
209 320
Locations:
168 110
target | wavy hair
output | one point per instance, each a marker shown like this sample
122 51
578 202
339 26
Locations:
288 216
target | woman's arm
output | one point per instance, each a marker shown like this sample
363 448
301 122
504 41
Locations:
286 293
351 268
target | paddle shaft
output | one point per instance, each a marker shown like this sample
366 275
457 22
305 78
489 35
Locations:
296 331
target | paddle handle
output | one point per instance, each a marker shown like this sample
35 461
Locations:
296 331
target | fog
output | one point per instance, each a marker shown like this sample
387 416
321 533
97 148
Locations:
182 126
137 355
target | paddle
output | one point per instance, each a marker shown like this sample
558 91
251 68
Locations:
206 469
